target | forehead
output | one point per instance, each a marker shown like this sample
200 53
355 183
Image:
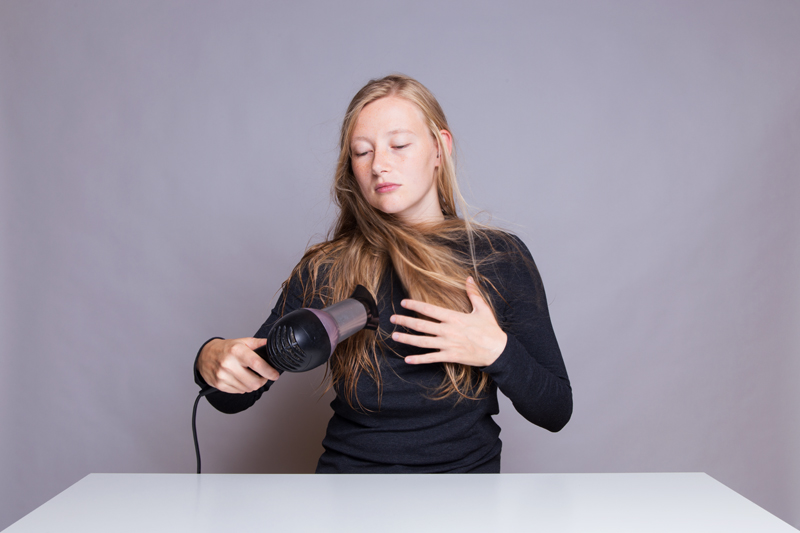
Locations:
387 115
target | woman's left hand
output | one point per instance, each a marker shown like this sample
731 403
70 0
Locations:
473 339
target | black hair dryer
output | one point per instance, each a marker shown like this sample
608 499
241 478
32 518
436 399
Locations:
306 338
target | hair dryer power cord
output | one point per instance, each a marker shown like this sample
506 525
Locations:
204 392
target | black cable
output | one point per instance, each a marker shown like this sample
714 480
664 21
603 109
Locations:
204 392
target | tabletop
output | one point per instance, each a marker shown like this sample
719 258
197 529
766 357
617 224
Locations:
675 502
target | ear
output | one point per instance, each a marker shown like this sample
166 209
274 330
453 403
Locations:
448 140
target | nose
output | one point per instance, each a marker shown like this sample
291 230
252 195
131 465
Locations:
380 162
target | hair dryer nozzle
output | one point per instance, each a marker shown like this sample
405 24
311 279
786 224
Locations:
362 295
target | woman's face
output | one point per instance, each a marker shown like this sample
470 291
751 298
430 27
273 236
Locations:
394 159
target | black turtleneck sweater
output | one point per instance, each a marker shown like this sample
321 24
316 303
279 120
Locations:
406 430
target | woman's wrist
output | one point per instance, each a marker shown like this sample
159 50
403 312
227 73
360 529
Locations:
198 377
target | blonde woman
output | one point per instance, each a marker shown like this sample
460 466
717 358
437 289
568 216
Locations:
462 307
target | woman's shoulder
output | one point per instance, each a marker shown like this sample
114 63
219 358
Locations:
308 281
500 243
506 261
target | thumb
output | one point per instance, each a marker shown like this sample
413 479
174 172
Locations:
253 343
475 298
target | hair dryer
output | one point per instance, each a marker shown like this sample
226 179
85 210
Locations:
306 338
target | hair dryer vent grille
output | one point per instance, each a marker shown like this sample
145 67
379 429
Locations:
284 351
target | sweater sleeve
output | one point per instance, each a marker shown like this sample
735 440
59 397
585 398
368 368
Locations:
290 299
530 371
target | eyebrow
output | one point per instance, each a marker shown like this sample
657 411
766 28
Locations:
393 132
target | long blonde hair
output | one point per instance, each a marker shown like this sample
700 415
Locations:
365 242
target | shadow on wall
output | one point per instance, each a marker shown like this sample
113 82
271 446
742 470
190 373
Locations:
281 434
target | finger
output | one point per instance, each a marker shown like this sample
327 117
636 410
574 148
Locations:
252 362
227 381
232 386
253 343
430 310
262 368
443 356
250 380
433 357
475 298
417 324
420 341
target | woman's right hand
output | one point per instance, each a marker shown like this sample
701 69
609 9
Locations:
231 365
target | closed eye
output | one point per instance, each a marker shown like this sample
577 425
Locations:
401 147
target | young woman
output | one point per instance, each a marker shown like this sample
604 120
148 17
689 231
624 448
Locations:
462 307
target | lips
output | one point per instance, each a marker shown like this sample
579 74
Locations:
386 187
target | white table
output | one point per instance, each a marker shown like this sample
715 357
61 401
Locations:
618 503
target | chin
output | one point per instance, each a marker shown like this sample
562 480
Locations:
387 209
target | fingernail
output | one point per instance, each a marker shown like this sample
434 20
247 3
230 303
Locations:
395 336
403 303
470 280
391 319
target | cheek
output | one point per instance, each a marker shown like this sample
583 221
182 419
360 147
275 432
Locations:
428 167
429 160
363 180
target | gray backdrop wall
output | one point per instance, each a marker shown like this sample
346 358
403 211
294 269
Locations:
164 165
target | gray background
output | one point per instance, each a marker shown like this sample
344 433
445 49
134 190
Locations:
164 165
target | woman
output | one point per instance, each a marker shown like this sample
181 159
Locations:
462 307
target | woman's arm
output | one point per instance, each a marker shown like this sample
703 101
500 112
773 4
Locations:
231 366
530 371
